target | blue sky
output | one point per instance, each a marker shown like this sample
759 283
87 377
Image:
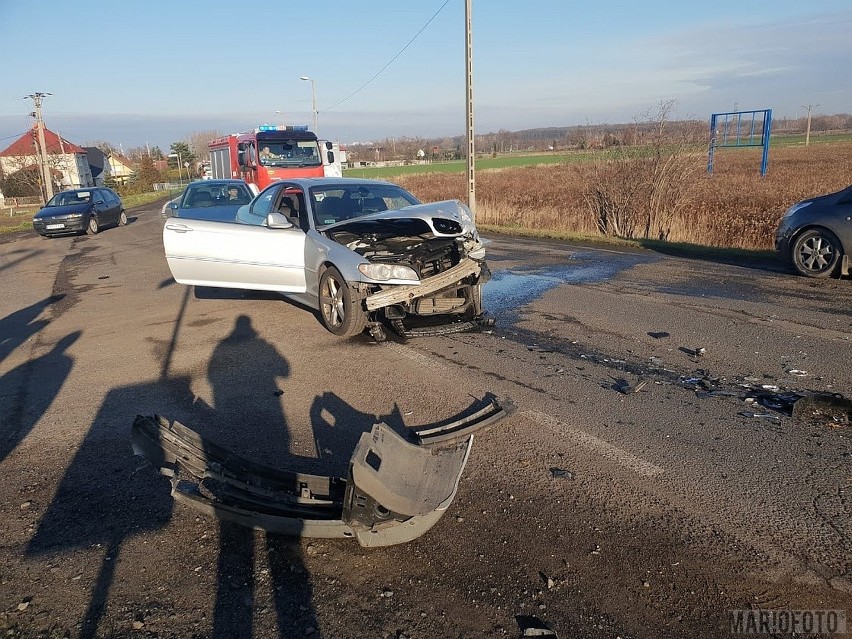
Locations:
156 71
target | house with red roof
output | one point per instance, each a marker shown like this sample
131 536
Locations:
68 162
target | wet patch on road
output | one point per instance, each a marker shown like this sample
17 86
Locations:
508 290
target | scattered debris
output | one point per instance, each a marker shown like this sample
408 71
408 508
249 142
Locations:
626 388
548 581
657 361
104 277
539 349
823 409
534 627
797 372
561 473
25 603
658 334
693 352
278 393
770 416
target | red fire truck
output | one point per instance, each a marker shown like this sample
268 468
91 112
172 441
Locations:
269 153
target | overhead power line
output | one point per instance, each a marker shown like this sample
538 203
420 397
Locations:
392 60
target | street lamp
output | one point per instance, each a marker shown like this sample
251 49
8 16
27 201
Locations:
313 99
180 175
283 119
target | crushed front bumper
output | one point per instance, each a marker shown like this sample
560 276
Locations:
406 294
397 488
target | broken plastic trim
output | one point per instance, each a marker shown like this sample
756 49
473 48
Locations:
396 490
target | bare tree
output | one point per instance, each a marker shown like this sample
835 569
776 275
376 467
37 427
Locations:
198 143
637 191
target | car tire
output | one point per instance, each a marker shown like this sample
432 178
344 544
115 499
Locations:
816 253
341 314
92 228
122 219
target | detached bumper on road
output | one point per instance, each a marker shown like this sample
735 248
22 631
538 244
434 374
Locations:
397 488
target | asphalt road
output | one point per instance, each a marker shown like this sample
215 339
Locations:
681 501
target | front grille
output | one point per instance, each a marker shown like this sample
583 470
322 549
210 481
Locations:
438 305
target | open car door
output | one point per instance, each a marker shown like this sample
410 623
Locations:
230 255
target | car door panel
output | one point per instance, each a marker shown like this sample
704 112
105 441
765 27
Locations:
230 255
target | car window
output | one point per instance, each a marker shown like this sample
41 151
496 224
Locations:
70 197
262 206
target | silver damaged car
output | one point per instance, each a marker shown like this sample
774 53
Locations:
363 253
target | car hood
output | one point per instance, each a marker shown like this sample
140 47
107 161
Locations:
829 198
59 211
449 218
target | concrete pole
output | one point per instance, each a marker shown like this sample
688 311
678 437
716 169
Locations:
46 177
471 146
808 130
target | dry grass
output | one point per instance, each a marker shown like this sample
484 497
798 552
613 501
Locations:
734 207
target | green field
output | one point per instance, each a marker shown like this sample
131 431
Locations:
486 162
482 163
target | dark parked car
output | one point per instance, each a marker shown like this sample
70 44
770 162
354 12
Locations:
80 211
216 200
815 235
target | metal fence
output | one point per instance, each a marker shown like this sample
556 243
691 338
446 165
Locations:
16 202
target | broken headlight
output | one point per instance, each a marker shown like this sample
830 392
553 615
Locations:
385 272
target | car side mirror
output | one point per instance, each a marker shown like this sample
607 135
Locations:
278 221
331 157
173 205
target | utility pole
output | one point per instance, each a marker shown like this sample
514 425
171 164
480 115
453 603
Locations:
471 146
808 131
46 177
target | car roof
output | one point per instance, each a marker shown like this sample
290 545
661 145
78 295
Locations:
216 182
334 181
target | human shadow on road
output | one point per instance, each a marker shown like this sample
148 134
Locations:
244 373
103 499
17 327
23 258
108 496
29 390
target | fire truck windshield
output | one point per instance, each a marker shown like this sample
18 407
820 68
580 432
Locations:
290 153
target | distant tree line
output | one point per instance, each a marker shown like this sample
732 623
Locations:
643 131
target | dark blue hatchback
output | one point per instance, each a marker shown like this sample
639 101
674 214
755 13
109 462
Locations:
80 211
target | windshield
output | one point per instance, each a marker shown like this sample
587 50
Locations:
335 203
289 153
70 197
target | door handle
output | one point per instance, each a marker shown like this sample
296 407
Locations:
178 228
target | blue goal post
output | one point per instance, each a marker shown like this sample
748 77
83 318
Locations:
740 129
